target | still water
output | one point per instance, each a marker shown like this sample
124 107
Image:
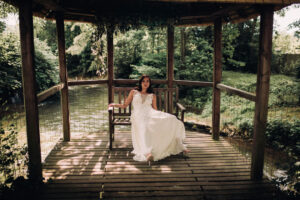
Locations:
88 115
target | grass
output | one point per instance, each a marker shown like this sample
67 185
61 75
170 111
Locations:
283 100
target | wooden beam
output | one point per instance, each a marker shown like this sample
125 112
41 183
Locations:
193 83
49 92
110 62
170 61
241 93
87 82
64 95
262 92
29 90
217 74
135 81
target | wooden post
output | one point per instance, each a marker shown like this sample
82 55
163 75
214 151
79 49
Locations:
110 62
170 64
262 92
182 48
110 66
64 94
29 90
217 74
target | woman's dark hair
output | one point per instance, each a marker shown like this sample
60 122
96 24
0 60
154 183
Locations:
139 88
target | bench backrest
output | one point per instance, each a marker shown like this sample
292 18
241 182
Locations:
166 98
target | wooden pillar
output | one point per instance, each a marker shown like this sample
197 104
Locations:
182 48
29 90
170 64
217 74
110 62
64 95
262 92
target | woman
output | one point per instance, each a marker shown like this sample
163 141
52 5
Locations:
155 134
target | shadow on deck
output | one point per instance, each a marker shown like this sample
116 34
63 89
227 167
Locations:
84 168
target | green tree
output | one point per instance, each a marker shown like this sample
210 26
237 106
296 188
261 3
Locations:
2 26
153 53
86 55
10 67
246 51
128 51
6 8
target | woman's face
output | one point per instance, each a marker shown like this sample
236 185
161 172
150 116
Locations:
145 83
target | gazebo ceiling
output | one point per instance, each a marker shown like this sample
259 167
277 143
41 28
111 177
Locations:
186 12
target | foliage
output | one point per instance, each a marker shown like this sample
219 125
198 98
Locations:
152 66
6 8
13 158
285 44
10 69
2 27
283 91
123 23
45 30
148 53
21 188
86 54
80 64
246 51
128 52
284 135
296 24
46 68
230 33
287 64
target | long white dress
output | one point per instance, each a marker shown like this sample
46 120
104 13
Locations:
155 132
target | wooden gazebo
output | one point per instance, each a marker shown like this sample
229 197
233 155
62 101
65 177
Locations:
187 13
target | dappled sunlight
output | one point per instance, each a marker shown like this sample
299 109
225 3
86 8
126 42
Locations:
89 163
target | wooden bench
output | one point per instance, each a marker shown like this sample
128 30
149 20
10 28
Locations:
166 98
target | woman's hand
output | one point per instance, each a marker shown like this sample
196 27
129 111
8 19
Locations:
112 105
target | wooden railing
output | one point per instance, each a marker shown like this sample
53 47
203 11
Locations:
87 82
241 93
193 83
49 92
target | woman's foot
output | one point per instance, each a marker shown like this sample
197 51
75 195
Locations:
149 158
186 152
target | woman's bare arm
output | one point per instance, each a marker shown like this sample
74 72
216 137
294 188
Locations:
154 102
126 103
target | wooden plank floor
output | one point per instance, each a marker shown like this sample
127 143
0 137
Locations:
84 168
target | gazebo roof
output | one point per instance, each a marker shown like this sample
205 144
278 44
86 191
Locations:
187 12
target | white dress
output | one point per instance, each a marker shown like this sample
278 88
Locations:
155 132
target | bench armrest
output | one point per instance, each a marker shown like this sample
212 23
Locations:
182 109
110 114
110 109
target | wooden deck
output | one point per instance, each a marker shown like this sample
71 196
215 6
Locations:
84 168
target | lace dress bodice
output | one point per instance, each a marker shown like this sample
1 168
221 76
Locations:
141 103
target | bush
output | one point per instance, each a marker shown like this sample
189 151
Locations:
13 158
21 188
46 68
284 135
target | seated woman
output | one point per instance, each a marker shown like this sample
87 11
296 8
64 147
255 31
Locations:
155 134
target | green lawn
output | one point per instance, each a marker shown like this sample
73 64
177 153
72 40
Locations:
283 101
